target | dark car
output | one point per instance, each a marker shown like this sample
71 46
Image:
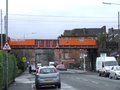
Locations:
47 75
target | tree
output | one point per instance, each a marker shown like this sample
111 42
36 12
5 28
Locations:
49 55
102 43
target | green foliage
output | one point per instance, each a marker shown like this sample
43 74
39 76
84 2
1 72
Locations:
12 69
74 66
2 63
21 65
102 43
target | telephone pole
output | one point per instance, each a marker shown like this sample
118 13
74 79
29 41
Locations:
118 20
1 31
7 57
6 20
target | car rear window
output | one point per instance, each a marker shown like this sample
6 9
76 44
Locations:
47 70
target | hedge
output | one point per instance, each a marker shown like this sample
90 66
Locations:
12 68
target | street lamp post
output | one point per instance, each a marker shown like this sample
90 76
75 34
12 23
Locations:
83 55
6 20
118 21
111 3
84 64
1 31
6 63
118 12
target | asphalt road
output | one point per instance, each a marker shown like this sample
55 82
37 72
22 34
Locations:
71 80
27 82
90 82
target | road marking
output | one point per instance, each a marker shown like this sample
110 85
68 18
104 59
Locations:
33 85
64 86
85 79
24 79
20 80
95 82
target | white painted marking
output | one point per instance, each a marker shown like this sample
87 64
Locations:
94 82
33 85
64 86
24 79
21 80
85 79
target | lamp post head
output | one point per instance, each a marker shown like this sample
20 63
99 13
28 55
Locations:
106 3
110 3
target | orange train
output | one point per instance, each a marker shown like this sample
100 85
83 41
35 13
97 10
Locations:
52 43
77 42
22 42
33 43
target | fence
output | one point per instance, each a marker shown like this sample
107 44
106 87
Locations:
11 68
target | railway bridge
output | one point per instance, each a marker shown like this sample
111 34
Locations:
64 49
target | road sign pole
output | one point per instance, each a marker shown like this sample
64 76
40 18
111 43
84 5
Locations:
7 48
6 72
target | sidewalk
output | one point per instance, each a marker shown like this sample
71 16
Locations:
82 71
23 82
73 71
76 71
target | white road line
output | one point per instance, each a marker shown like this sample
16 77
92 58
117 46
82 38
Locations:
64 86
33 85
85 79
20 80
95 82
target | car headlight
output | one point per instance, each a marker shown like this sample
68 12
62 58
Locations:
118 73
107 70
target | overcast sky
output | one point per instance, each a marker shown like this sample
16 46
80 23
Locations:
47 19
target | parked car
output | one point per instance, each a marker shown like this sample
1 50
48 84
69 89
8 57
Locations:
39 65
61 67
47 75
104 64
51 63
115 72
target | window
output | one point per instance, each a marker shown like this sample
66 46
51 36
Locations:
111 63
47 70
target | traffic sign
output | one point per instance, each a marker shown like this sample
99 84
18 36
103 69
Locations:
6 47
24 59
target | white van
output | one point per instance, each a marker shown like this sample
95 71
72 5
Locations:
51 63
104 64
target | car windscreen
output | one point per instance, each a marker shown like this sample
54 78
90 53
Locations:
111 63
47 70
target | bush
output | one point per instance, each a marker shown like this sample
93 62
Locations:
21 65
11 68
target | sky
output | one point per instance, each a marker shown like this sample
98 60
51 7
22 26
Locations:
47 19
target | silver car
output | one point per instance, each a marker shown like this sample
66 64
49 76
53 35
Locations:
61 67
47 75
115 72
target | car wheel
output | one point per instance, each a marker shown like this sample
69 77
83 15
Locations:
59 85
110 77
99 74
37 87
115 77
104 74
